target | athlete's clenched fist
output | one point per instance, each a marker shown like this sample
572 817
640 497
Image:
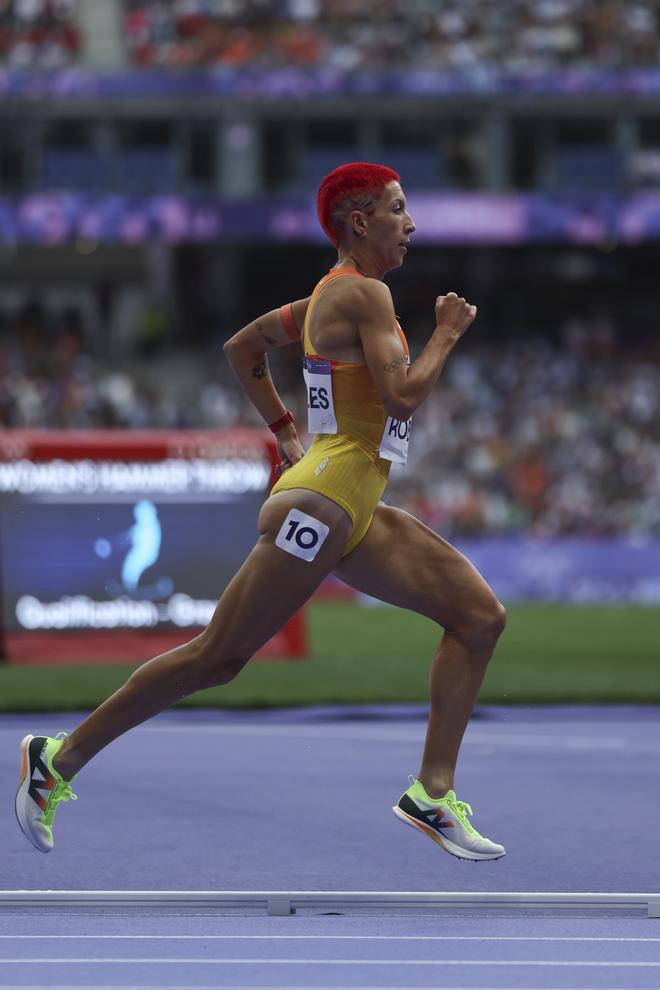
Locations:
453 314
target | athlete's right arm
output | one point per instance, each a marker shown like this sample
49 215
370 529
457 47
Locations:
403 388
247 351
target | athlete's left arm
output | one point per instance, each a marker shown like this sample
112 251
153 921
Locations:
247 353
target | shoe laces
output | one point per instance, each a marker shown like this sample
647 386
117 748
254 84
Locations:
462 809
61 792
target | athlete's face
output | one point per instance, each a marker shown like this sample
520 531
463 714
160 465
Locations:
390 227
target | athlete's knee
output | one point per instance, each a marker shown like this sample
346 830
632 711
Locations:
496 619
210 665
216 667
483 624
225 669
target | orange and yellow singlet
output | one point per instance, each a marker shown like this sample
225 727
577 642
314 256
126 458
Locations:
346 464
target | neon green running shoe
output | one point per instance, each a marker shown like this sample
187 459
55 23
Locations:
41 790
446 821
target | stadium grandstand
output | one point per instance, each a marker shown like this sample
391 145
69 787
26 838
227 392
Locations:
533 160
349 35
341 35
42 34
157 171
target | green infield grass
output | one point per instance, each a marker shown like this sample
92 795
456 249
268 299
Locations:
362 655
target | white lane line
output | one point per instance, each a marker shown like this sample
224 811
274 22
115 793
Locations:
368 938
252 986
187 961
493 737
298 986
476 737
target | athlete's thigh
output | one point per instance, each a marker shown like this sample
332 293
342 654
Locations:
403 562
302 537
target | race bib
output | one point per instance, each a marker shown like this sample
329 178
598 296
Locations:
317 373
395 440
396 437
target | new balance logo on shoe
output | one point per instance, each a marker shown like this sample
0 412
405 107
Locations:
435 818
41 778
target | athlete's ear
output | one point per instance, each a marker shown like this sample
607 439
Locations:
359 223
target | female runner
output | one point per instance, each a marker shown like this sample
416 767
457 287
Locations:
325 515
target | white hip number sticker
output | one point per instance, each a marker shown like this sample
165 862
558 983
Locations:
302 535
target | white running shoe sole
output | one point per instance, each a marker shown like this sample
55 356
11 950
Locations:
38 838
458 851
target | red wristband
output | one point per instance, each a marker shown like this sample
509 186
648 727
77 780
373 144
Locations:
282 421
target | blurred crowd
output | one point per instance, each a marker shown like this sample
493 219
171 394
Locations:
534 435
345 35
38 33
50 377
540 438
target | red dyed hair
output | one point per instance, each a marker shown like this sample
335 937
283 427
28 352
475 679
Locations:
355 179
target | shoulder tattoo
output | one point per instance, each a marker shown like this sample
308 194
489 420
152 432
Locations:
269 340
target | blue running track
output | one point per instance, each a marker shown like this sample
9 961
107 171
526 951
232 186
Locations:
300 800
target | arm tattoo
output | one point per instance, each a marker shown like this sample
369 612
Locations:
269 340
260 369
393 365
